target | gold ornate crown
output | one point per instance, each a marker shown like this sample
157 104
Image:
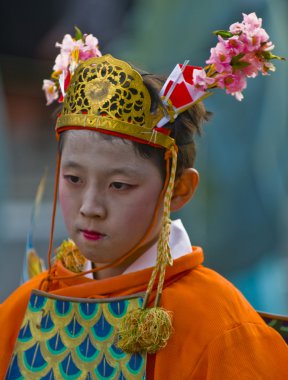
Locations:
109 95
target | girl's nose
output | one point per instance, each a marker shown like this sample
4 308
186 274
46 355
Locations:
93 205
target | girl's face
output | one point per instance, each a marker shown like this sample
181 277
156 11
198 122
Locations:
108 194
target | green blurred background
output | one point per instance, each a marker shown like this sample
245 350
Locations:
240 211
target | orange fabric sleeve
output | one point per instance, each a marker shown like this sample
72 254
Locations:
247 352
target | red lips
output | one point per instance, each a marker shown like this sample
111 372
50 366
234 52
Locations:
92 235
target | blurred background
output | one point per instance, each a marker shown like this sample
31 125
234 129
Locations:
239 214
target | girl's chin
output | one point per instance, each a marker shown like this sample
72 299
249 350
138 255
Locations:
96 259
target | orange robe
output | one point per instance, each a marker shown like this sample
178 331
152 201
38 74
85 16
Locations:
217 334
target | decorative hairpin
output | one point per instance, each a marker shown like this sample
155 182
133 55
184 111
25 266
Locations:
242 52
73 51
179 92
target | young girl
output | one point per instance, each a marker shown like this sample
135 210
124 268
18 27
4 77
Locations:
106 308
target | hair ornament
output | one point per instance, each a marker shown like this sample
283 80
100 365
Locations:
73 51
242 52
178 92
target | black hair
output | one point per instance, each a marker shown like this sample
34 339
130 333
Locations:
183 129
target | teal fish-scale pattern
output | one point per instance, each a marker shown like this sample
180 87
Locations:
71 339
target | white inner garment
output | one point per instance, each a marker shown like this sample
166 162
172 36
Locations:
179 242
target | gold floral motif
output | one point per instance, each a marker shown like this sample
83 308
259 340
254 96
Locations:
116 89
97 92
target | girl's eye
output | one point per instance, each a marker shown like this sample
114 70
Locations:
72 179
120 186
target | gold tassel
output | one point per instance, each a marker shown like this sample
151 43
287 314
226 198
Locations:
145 330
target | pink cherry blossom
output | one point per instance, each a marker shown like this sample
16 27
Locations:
252 35
220 57
69 44
251 22
236 28
91 45
68 48
267 46
61 63
234 45
254 42
261 35
267 66
238 95
201 80
255 65
90 48
234 84
50 90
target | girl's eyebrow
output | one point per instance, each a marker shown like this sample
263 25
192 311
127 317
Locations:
123 170
71 164
127 170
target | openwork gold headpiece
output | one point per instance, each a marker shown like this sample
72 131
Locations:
107 94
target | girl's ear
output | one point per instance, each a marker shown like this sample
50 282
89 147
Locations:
184 188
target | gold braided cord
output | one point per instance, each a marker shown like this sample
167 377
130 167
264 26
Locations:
119 127
163 250
148 329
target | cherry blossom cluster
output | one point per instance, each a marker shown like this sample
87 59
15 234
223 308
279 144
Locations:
242 52
73 51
